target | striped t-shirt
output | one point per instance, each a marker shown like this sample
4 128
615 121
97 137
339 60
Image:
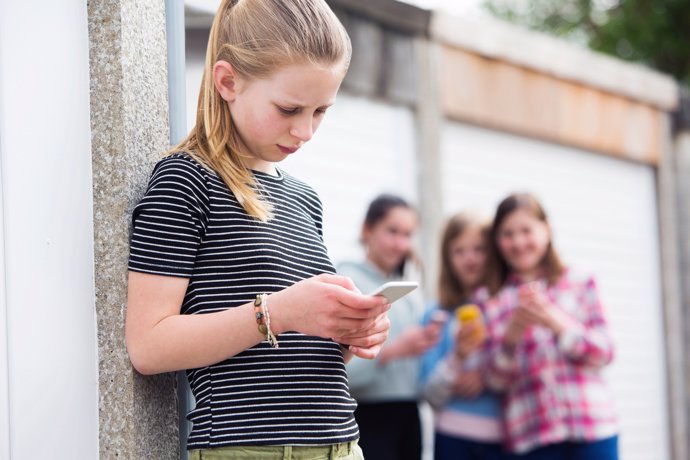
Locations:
189 224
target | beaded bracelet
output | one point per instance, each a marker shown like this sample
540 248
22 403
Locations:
263 319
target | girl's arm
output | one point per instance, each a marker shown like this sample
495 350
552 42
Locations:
582 335
502 369
160 339
586 342
413 342
437 386
436 376
506 330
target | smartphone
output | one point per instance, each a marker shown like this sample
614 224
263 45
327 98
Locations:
393 290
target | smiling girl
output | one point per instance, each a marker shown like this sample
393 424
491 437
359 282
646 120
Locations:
229 275
386 388
467 414
549 342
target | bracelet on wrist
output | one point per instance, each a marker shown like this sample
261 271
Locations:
263 319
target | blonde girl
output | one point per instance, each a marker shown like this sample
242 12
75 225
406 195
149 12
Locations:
229 276
468 421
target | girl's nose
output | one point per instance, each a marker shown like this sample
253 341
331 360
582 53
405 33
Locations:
303 129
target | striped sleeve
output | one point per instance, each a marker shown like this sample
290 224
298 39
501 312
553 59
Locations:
170 220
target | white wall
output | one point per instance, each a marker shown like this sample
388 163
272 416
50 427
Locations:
604 216
48 348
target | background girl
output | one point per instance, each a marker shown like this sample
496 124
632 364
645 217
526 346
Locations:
549 343
468 421
229 277
386 389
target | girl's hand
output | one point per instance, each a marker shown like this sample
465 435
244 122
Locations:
413 341
367 344
539 309
468 385
517 325
469 338
326 306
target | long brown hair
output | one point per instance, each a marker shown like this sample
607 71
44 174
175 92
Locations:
498 269
257 38
451 291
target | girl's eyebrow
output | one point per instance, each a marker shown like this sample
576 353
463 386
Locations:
300 105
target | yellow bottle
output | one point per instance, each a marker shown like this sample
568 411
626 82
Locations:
469 313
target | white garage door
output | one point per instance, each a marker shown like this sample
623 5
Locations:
604 215
362 148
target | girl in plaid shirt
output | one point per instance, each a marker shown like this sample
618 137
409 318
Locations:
548 343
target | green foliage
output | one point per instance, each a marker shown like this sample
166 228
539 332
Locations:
653 32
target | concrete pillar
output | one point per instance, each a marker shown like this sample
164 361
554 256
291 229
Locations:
670 238
682 169
429 129
129 126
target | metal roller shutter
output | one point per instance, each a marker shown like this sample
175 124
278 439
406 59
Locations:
603 211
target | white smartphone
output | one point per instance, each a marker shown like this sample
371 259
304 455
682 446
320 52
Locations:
393 290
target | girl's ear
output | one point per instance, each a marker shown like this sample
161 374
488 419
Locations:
225 80
364 234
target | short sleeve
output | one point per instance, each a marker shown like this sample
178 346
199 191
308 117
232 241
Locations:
169 222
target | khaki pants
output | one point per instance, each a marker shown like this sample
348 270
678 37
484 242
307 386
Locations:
343 451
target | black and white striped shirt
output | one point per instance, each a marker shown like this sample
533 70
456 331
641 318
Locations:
189 224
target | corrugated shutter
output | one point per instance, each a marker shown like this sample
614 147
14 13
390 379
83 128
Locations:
604 217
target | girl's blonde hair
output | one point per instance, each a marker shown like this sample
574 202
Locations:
257 37
498 269
451 291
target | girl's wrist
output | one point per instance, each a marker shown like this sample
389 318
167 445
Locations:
277 319
556 323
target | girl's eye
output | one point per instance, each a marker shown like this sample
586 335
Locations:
286 111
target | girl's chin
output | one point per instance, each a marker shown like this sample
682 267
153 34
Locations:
524 266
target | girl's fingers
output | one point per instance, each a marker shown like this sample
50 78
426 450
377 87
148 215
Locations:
377 333
365 353
364 314
379 325
356 300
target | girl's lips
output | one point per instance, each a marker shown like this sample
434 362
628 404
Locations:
287 149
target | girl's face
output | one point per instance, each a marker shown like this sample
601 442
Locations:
275 116
523 240
467 255
389 241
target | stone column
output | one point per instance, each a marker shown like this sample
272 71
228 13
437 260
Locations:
129 126
671 238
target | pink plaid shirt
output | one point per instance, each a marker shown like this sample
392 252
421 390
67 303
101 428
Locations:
554 391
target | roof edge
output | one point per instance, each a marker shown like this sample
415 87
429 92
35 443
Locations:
497 39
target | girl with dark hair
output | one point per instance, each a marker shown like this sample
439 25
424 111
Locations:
549 342
386 388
